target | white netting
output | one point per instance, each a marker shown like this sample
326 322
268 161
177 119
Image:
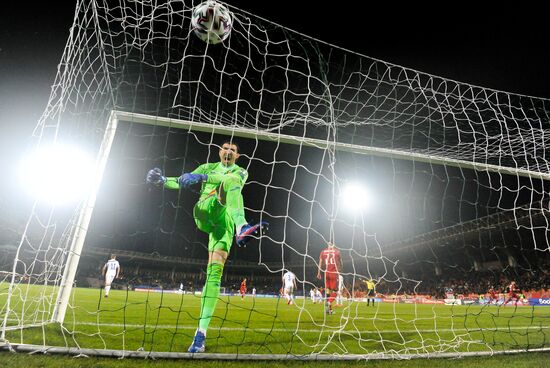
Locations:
459 175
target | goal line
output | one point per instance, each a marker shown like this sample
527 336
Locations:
109 353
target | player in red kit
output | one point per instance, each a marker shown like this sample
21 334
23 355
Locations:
243 288
493 296
330 263
513 293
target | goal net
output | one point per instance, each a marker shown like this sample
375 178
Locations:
434 191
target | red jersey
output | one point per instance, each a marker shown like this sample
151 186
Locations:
243 285
512 289
331 258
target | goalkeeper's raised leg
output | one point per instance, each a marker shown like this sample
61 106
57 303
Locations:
219 212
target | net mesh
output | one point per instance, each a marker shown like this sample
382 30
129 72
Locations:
457 173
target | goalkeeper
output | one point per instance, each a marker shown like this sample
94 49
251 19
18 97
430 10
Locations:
219 213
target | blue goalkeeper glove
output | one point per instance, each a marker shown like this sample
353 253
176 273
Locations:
155 177
188 179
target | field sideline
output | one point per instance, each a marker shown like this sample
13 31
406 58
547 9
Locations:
157 322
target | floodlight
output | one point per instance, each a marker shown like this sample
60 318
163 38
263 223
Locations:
57 174
356 197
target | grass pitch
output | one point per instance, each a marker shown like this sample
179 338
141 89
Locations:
526 360
131 321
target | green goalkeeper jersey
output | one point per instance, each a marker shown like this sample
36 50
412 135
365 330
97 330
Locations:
213 214
216 172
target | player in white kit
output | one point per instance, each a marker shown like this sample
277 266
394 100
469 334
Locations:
289 284
339 298
318 296
110 271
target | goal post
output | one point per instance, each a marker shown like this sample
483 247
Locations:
81 226
324 144
123 117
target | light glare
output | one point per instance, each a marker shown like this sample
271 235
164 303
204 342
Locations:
356 197
58 174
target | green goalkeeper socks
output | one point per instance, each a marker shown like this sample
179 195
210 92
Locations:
210 294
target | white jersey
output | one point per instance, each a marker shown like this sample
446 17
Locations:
288 279
340 283
313 295
111 269
112 266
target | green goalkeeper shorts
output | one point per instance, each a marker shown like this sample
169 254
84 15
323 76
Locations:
212 218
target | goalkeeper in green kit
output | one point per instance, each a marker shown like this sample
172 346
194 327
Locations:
219 213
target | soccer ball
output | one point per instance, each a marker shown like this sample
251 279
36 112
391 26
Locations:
211 22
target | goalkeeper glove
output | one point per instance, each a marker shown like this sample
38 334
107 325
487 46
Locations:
155 177
188 179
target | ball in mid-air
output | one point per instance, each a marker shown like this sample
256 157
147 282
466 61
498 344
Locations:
211 21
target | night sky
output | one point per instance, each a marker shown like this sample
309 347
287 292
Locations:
500 49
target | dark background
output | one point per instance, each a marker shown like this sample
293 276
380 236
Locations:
495 48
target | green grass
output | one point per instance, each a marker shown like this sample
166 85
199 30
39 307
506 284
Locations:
166 323
529 360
